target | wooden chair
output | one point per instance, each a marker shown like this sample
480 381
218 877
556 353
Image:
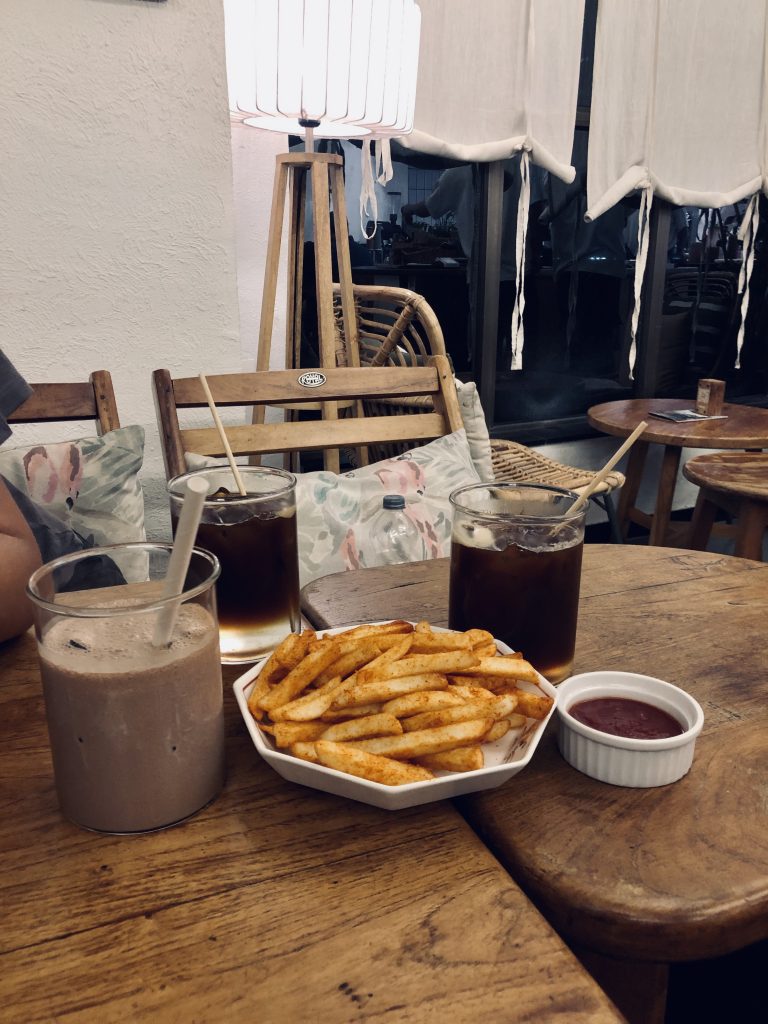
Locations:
283 388
738 483
395 326
93 399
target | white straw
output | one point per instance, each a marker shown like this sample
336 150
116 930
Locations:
222 434
186 531
583 498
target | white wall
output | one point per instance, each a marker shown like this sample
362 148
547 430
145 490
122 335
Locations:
117 238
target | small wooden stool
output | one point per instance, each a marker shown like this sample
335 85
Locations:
738 483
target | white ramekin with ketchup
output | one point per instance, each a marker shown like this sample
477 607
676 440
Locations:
627 729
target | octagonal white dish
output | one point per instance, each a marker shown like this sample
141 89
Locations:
503 759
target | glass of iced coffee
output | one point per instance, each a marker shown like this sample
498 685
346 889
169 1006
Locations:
254 537
516 569
136 730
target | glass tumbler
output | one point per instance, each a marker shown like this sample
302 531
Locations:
254 537
516 569
135 713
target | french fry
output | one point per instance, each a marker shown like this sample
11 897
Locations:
502 667
469 691
306 751
359 712
429 643
386 689
495 707
419 664
497 730
299 678
260 689
345 758
422 700
377 629
532 705
462 759
485 651
354 655
479 637
361 728
422 627
288 733
427 741
311 705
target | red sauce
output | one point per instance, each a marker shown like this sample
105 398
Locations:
621 716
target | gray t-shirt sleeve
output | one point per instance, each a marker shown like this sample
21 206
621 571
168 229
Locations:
53 536
13 391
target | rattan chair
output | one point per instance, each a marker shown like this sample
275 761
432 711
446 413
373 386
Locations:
398 327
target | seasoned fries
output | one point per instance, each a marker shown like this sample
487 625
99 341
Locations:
393 703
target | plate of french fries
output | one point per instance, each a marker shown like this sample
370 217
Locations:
396 713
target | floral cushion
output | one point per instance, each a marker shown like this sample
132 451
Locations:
335 512
473 418
91 484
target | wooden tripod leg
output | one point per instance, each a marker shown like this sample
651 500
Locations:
349 313
324 291
295 288
269 292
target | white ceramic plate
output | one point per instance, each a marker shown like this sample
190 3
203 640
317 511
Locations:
503 759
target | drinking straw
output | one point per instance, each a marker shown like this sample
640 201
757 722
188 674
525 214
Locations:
186 531
583 498
222 434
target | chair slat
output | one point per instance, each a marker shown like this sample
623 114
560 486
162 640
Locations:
80 400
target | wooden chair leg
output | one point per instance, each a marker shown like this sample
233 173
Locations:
750 530
701 524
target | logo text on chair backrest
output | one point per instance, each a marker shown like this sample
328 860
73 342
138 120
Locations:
312 379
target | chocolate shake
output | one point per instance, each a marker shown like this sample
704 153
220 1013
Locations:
137 732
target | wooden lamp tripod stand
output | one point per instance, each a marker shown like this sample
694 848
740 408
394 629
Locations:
325 172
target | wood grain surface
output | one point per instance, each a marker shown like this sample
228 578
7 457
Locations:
674 873
743 427
275 903
737 473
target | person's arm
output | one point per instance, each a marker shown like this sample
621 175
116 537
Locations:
411 210
19 557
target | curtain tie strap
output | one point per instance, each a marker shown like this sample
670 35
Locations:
523 205
643 222
748 236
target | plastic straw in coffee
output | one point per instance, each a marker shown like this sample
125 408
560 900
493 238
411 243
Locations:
186 531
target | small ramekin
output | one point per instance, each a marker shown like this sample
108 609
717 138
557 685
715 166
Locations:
618 760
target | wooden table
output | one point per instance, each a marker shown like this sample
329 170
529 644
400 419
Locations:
276 904
744 427
737 482
642 877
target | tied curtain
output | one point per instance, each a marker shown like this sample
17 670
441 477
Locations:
678 111
496 78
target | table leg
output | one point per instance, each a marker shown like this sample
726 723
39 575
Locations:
701 524
752 523
667 480
628 493
638 989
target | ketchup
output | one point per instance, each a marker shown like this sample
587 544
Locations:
622 716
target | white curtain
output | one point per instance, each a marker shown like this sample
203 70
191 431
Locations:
498 77
678 111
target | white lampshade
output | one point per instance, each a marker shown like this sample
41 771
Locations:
348 66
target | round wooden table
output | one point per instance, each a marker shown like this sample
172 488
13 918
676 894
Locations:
737 482
744 427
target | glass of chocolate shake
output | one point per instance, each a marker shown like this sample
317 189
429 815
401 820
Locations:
136 730
254 537
516 569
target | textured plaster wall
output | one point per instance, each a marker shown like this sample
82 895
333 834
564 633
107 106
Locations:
117 233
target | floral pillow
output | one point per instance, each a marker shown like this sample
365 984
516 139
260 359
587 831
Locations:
336 512
91 484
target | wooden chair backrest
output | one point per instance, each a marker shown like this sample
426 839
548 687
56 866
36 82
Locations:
282 388
93 399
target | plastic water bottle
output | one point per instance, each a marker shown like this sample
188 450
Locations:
394 537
